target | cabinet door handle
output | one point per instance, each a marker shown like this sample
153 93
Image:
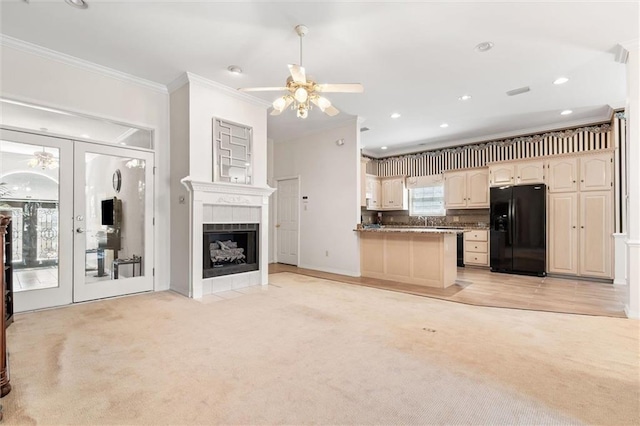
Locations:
582 227
581 180
574 181
573 227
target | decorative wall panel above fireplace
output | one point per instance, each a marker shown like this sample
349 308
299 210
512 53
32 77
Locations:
231 152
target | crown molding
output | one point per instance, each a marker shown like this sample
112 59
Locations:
24 46
191 78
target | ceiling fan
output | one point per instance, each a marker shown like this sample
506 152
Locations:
304 91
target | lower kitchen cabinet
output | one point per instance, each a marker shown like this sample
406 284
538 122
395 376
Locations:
476 247
580 233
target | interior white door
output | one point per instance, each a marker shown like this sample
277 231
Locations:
287 221
112 221
36 173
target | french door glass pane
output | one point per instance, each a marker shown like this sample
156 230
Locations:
114 217
29 191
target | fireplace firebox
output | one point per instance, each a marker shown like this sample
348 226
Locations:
229 249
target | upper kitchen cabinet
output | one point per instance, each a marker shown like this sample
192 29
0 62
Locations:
455 190
363 182
395 195
596 172
590 172
529 172
562 174
373 192
466 189
501 174
516 173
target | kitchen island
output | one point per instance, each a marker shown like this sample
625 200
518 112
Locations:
421 256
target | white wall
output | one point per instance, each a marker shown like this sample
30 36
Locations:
37 77
180 241
329 177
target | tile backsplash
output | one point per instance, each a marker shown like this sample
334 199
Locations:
473 217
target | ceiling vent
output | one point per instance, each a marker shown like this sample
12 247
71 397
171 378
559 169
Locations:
518 91
364 129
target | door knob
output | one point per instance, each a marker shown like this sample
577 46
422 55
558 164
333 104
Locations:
80 230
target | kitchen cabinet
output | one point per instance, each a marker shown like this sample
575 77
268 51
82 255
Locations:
395 195
516 173
595 234
476 247
596 172
529 172
562 241
562 174
363 182
466 189
580 228
501 174
373 192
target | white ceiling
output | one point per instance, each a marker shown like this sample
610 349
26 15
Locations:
415 58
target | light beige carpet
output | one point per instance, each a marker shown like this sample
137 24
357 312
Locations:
310 351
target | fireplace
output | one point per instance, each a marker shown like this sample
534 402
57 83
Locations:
229 248
233 212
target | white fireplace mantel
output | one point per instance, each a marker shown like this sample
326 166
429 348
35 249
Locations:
223 202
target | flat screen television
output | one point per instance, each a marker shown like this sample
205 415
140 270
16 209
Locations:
108 212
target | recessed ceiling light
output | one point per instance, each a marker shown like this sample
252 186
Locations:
464 98
84 135
383 147
234 69
566 112
395 115
44 129
443 125
560 80
80 4
483 47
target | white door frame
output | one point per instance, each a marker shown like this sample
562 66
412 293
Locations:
275 222
64 294
61 294
82 290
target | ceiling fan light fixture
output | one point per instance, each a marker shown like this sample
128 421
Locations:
323 103
301 95
566 112
302 112
280 103
560 80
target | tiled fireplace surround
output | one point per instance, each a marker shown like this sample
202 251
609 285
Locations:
219 202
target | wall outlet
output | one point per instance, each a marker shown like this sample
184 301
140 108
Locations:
326 253
456 218
391 219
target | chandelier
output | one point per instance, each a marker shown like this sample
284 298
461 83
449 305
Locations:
43 160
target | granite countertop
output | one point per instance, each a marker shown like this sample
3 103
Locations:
412 230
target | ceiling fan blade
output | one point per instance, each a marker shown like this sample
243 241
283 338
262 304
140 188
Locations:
297 73
331 111
340 88
261 89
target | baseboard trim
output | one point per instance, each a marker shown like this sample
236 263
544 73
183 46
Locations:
330 270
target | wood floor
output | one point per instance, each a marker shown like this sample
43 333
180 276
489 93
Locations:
477 286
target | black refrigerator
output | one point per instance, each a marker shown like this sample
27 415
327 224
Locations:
518 243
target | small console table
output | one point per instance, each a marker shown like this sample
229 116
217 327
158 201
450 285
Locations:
135 260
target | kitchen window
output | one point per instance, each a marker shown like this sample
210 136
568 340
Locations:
427 200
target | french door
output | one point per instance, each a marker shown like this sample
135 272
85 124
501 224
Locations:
82 222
